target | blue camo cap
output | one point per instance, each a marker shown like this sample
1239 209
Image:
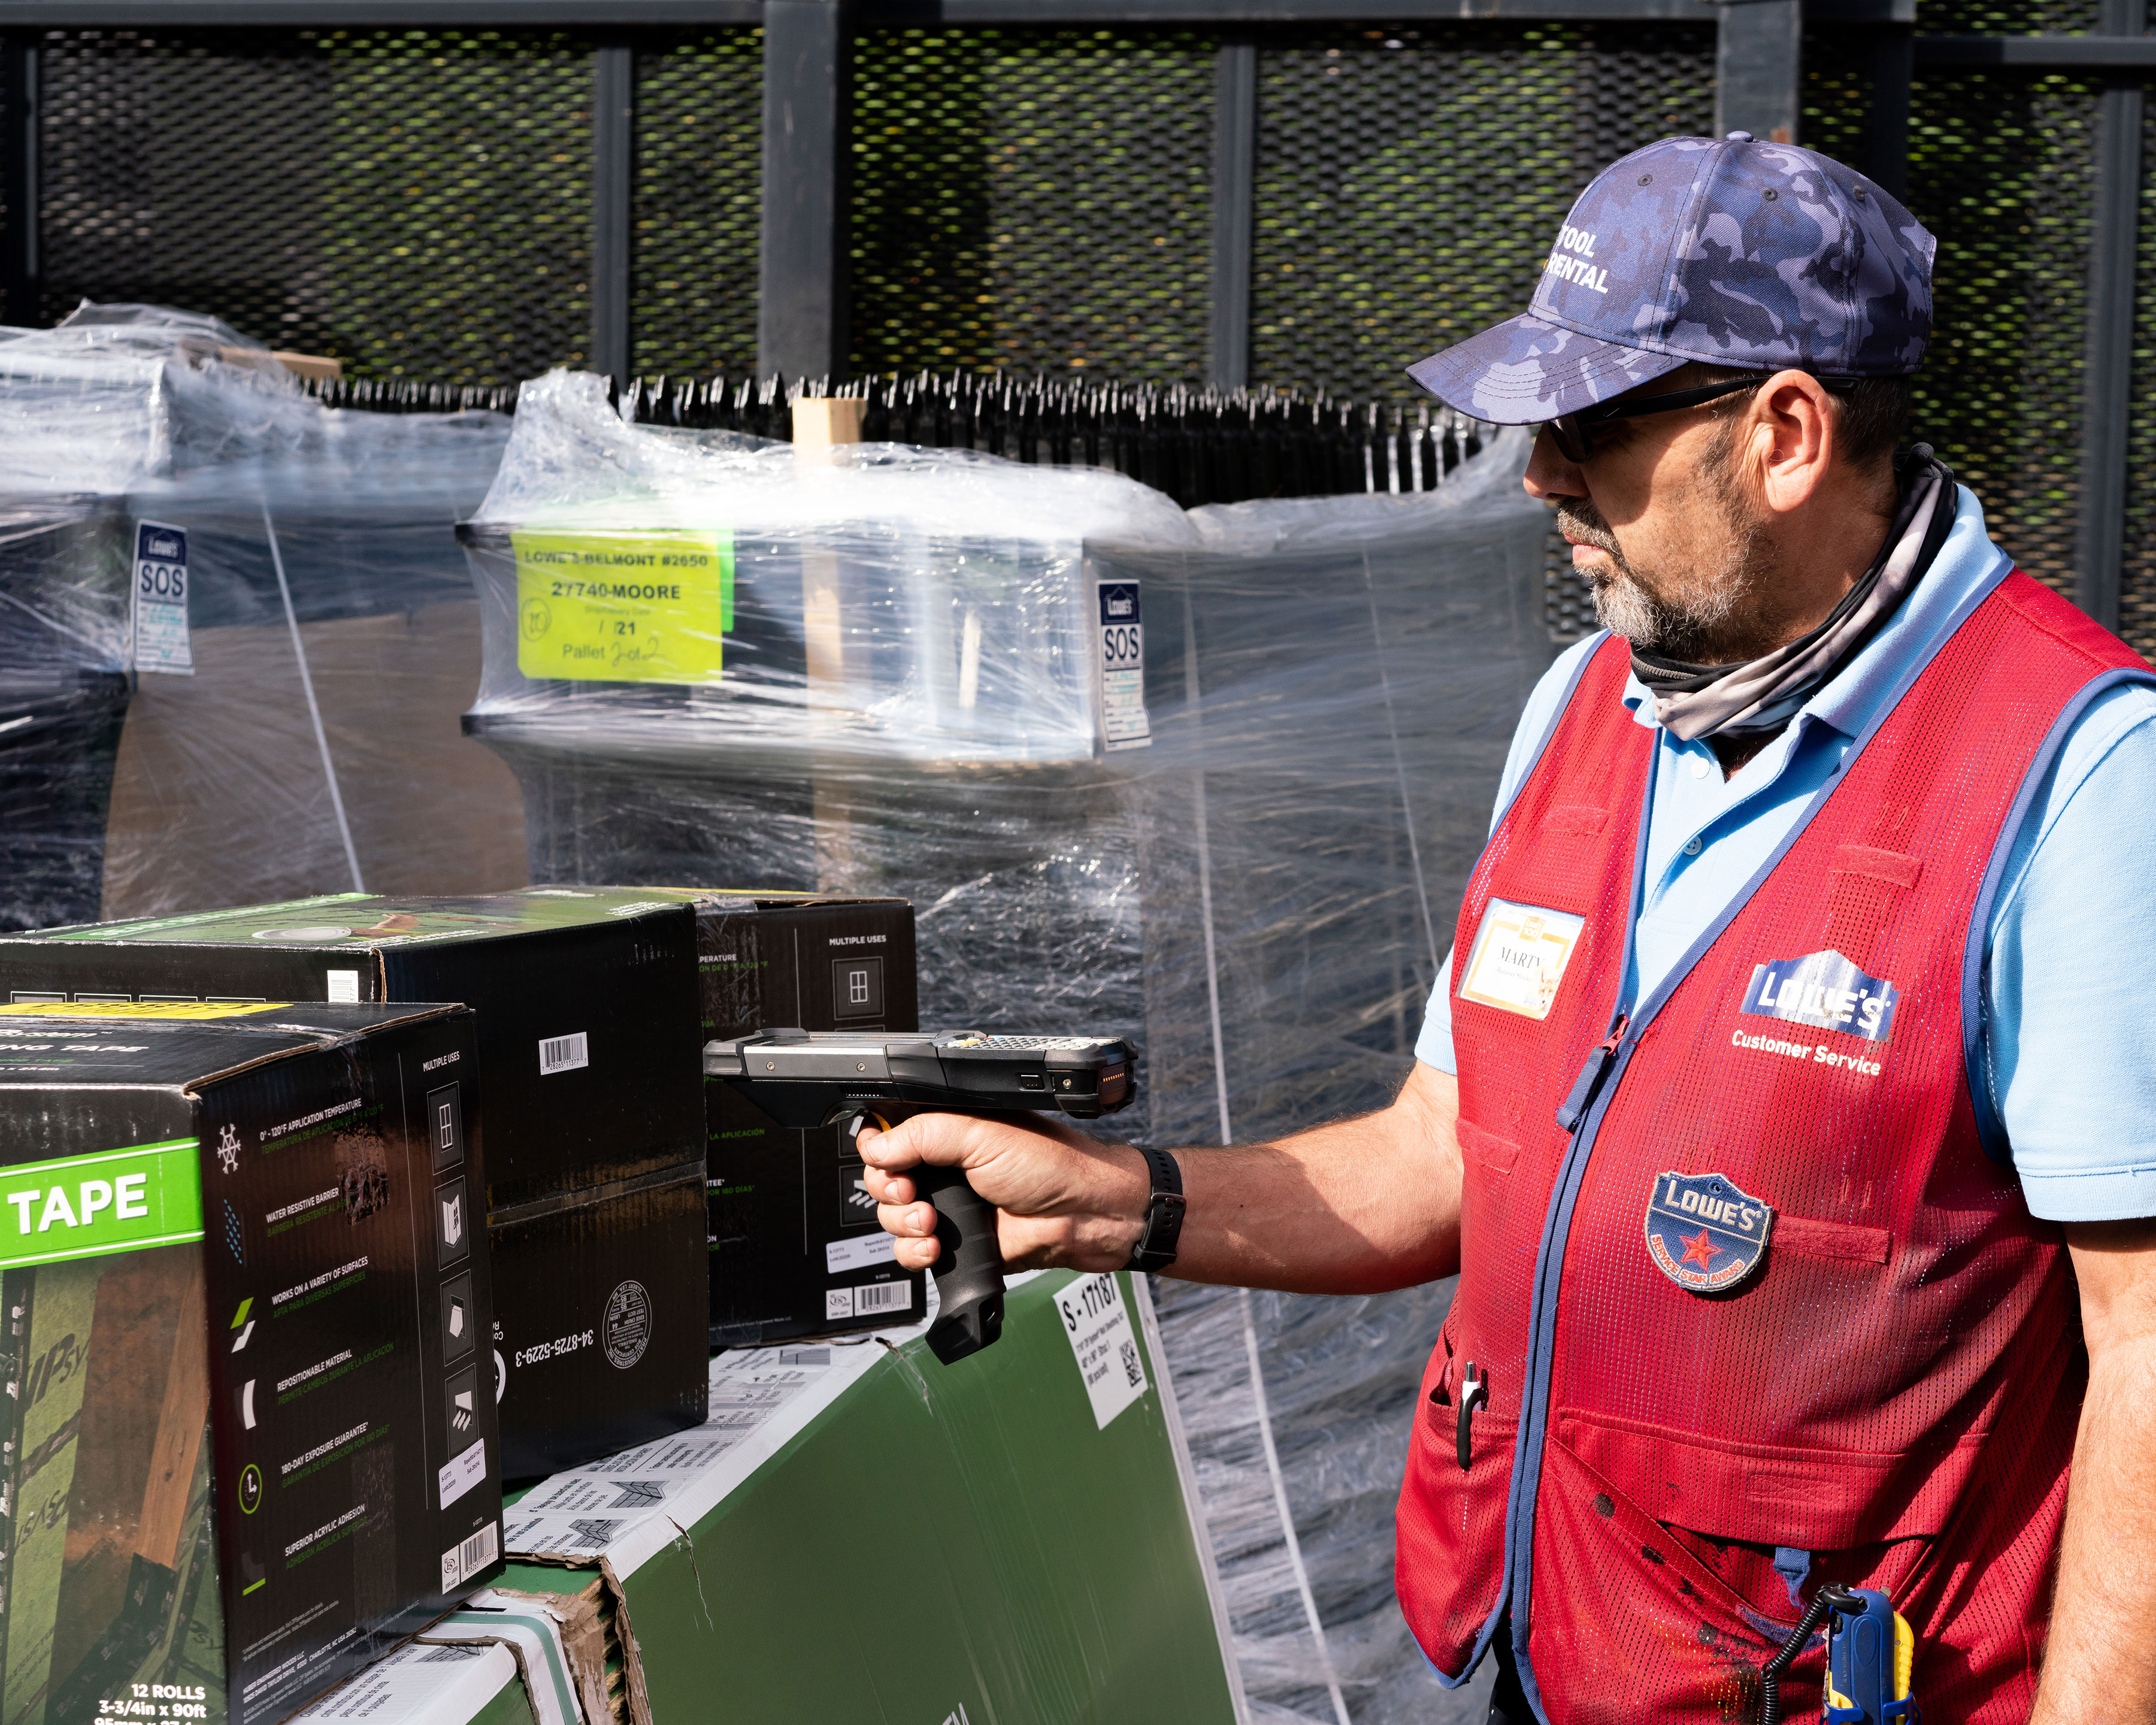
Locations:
1729 251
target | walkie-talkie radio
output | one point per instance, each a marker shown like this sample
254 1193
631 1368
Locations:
805 1079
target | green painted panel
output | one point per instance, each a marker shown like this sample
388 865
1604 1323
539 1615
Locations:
1015 1560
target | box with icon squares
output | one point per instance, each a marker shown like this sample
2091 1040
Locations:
246 1448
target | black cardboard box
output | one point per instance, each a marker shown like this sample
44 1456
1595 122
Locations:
795 1249
249 1445
603 1347
587 1036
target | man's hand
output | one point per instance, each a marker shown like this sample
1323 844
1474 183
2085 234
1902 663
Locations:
2100 1665
1062 1201
1354 1207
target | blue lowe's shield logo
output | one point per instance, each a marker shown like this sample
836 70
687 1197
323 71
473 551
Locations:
1824 991
1705 1232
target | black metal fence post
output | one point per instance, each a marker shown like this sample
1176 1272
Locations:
801 309
613 137
1759 61
2108 364
1235 190
20 270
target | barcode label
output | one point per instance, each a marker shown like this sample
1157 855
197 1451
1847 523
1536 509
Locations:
461 1562
563 1054
884 1296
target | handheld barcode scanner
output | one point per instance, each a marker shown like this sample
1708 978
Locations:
805 1079
1871 1652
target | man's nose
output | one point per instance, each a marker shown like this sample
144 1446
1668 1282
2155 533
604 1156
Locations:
1549 474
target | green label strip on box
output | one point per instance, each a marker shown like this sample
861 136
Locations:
621 608
90 1206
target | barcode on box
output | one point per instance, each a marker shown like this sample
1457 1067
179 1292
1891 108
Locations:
884 1296
461 1562
563 1054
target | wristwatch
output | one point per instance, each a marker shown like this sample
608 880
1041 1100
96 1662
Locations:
1163 1217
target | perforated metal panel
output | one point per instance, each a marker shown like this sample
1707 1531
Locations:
2000 171
1409 182
409 200
1037 200
2136 602
699 162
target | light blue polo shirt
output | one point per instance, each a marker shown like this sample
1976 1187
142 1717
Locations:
2069 1037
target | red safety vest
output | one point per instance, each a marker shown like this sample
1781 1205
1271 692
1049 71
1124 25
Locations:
1892 1389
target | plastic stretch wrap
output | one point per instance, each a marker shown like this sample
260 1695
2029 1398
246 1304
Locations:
333 635
908 696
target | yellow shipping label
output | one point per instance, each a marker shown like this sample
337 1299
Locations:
142 1008
617 608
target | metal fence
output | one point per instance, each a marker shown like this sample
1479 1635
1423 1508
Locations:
1305 193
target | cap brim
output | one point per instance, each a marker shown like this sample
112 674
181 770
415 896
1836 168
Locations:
1528 370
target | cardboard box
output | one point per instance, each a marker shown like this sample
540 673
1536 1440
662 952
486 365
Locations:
795 1249
603 1345
588 1040
249 1445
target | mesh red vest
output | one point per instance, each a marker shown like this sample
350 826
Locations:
1893 1392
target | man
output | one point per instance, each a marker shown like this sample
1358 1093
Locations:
1784 1104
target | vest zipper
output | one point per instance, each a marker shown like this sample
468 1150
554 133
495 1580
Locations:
1588 1085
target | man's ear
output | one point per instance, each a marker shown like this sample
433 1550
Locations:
1791 441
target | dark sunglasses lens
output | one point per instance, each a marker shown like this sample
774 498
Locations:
1572 437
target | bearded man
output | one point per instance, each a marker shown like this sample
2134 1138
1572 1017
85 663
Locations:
1785 1106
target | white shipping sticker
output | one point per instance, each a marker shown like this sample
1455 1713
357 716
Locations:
161 640
564 1054
1123 723
1103 1342
470 1556
1519 956
856 1253
460 1473
344 985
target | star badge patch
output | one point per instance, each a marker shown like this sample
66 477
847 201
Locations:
1704 1232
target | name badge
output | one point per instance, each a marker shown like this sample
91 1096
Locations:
1519 957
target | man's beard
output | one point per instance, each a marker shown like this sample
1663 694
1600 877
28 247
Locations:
1672 618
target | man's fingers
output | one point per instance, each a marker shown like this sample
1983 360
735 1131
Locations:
907 1221
887 1188
915 1254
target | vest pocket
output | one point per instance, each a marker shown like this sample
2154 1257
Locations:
1450 1558
1494 1152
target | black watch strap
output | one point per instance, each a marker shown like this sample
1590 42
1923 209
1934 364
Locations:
1163 1217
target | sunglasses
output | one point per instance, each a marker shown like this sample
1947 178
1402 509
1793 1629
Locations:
1573 433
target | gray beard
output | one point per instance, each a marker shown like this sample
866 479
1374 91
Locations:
1685 628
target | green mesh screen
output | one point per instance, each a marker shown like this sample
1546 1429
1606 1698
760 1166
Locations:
699 162
2137 603
408 201
1409 181
2000 171
1033 199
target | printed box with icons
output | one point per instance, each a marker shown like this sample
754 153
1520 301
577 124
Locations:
587 1045
232 1472
794 1245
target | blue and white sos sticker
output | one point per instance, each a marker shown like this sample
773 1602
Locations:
1704 1232
1123 723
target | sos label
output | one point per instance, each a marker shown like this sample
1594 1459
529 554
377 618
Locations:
161 640
1123 723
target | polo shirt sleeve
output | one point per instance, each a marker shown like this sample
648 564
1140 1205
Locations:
1434 1046
2069 1041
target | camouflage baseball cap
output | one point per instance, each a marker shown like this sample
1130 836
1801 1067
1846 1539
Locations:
1733 252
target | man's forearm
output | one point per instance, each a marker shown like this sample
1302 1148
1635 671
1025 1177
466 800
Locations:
1353 1206
2100 1665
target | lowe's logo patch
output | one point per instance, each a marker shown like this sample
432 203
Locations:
1825 991
1704 1232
